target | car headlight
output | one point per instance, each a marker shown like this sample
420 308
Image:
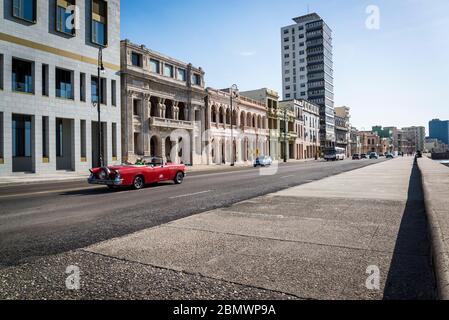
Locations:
117 176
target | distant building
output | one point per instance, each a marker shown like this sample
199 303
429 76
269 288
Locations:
236 134
275 116
435 146
304 137
307 68
342 128
439 129
354 142
415 137
371 142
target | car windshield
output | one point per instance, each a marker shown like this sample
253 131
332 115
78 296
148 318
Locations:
150 161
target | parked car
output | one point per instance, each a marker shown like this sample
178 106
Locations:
363 156
374 155
147 170
263 161
389 156
356 156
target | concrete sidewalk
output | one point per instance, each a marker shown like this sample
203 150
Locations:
314 241
435 178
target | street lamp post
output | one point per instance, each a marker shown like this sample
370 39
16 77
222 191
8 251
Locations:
234 89
100 69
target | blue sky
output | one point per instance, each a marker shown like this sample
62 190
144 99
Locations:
397 75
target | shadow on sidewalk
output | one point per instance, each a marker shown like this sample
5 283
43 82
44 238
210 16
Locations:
411 274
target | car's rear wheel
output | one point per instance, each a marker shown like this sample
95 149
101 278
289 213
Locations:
138 183
179 178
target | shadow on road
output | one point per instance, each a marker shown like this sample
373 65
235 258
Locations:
410 275
105 190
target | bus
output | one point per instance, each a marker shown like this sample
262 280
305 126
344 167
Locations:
334 154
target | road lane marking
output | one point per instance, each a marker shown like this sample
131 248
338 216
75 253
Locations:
190 194
290 176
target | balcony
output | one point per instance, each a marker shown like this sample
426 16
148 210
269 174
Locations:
171 123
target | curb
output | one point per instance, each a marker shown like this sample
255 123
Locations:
439 247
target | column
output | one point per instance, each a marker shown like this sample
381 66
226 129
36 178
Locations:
176 110
6 167
129 133
36 143
146 124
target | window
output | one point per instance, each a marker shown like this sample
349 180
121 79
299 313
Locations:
154 66
99 22
136 59
196 79
83 87
45 137
22 76
2 143
24 9
45 84
64 87
114 93
21 136
286 31
83 152
59 138
136 107
2 65
93 88
168 70
114 141
64 17
181 74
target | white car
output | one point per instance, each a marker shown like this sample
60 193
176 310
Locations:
263 161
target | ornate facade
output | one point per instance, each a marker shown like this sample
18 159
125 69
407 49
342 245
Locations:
240 132
163 107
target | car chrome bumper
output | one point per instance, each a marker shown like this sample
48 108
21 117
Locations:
105 182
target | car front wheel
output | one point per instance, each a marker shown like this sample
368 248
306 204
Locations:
179 178
138 183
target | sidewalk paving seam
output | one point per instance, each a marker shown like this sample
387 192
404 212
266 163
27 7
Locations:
269 238
192 274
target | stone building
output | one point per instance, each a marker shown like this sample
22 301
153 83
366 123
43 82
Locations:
163 109
271 99
372 142
48 82
342 128
238 134
355 142
304 130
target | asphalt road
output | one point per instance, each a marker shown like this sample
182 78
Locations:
44 219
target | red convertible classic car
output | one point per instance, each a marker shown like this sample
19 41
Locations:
146 171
